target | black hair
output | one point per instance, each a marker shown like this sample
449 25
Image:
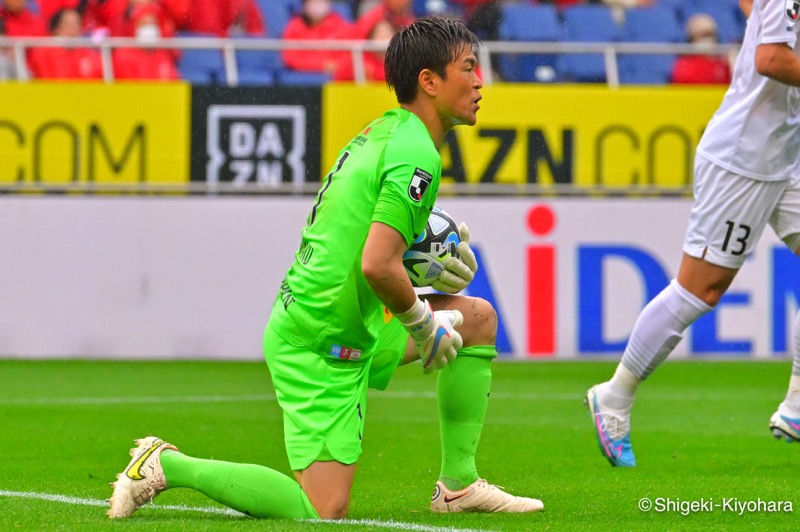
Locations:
430 42
3 30
55 20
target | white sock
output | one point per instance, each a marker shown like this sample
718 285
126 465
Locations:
619 392
660 327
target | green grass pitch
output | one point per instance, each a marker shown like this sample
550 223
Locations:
699 432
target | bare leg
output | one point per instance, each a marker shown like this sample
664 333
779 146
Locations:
328 486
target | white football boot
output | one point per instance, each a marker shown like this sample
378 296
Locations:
142 480
480 496
785 424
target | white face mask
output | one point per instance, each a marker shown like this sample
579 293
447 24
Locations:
148 32
705 42
317 9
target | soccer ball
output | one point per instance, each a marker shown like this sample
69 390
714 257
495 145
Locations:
424 260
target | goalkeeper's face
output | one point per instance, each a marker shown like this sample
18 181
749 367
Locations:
459 93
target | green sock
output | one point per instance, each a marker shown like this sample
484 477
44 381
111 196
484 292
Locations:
251 489
463 394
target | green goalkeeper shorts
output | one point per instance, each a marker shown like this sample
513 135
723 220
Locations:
324 399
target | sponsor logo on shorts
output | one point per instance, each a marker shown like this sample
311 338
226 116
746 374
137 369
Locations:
345 353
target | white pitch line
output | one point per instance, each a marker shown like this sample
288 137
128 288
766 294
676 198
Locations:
64 499
33 401
101 502
394 524
44 401
398 394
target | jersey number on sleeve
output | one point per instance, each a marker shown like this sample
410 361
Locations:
328 179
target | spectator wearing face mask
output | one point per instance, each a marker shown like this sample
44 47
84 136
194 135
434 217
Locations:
113 17
317 21
145 63
164 17
67 63
701 31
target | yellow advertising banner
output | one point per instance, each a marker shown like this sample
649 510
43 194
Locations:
556 134
93 133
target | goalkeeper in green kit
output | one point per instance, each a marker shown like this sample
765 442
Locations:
347 315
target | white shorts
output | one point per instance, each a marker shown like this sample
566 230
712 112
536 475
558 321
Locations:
730 212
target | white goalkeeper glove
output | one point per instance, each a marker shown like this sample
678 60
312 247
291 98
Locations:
458 271
434 334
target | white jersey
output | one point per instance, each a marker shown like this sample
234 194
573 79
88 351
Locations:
756 130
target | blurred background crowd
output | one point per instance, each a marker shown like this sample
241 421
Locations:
701 22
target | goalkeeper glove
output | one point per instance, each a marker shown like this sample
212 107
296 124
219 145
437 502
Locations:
434 334
458 271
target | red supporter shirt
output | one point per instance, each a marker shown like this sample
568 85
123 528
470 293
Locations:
373 69
114 15
217 16
67 63
701 70
333 27
23 24
135 63
380 12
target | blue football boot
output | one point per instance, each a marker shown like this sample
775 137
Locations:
618 451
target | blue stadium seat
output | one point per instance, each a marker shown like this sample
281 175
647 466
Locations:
676 6
258 67
202 67
434 7
302 79
730 20
653 24
527 22
587 23
276 15
256 78
344 10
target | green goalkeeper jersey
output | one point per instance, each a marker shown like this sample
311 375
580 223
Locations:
389 173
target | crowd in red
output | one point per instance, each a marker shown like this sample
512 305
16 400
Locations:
143 19
148 20
151 19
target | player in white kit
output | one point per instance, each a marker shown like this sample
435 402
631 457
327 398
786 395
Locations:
747 175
